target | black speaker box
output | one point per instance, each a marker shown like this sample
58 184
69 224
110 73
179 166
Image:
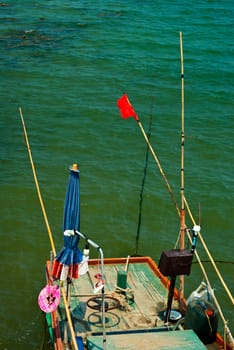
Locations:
175 262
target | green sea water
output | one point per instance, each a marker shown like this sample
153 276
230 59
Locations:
65 63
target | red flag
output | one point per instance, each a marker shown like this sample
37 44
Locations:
126 109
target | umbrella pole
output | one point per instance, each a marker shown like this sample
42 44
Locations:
66 326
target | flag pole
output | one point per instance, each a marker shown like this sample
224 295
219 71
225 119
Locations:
182 212
158 164
126 111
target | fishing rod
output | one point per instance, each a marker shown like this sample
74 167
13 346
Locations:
37 185
48 227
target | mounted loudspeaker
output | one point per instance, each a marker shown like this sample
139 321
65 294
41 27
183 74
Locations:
175 262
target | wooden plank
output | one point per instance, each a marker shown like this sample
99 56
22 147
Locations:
179 340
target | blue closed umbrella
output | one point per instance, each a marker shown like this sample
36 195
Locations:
67 260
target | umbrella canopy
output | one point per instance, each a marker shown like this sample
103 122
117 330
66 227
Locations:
67 260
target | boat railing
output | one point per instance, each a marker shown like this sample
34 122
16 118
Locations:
96 246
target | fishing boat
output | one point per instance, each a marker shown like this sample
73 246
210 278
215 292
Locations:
127 302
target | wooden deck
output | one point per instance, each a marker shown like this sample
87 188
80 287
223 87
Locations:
150 298
140 310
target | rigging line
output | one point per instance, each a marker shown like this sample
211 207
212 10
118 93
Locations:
48 227
143 183
216 261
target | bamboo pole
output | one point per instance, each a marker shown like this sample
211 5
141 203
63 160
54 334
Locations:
48 229
159 165
182 212
210 256
226 328
37 185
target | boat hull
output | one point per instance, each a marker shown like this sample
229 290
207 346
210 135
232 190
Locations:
139 312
